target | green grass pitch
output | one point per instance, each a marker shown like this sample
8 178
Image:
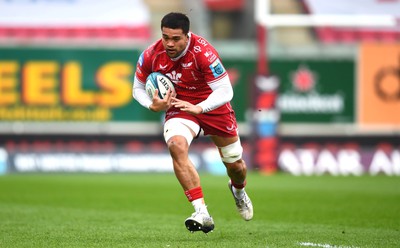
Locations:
148 210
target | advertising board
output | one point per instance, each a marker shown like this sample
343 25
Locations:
315 91
379 86
349 156
83 85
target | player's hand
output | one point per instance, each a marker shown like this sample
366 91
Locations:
186 106
161 104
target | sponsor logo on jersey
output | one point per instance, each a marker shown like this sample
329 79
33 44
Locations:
210 55
162 67
231 128
212 58
197 49
186 65
217 68
172 113
202 42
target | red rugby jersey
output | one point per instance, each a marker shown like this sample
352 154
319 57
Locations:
198 66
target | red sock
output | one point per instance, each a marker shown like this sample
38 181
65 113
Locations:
194 194
238 186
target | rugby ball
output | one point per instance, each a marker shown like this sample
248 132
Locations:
158 81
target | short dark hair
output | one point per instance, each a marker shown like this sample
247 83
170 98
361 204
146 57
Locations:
175 20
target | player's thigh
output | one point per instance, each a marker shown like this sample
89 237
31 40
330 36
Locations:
181 127
224 141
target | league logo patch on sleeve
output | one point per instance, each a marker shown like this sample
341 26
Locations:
217 68
141 59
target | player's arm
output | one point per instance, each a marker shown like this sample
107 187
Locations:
143 69
217 79
222 92
139 93
156 103
139 88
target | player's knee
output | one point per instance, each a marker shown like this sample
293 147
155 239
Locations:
177 145
236 168
232 153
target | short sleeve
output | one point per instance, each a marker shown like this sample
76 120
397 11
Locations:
211 65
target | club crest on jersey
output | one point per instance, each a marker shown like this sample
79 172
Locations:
186 65
217 68
174 76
